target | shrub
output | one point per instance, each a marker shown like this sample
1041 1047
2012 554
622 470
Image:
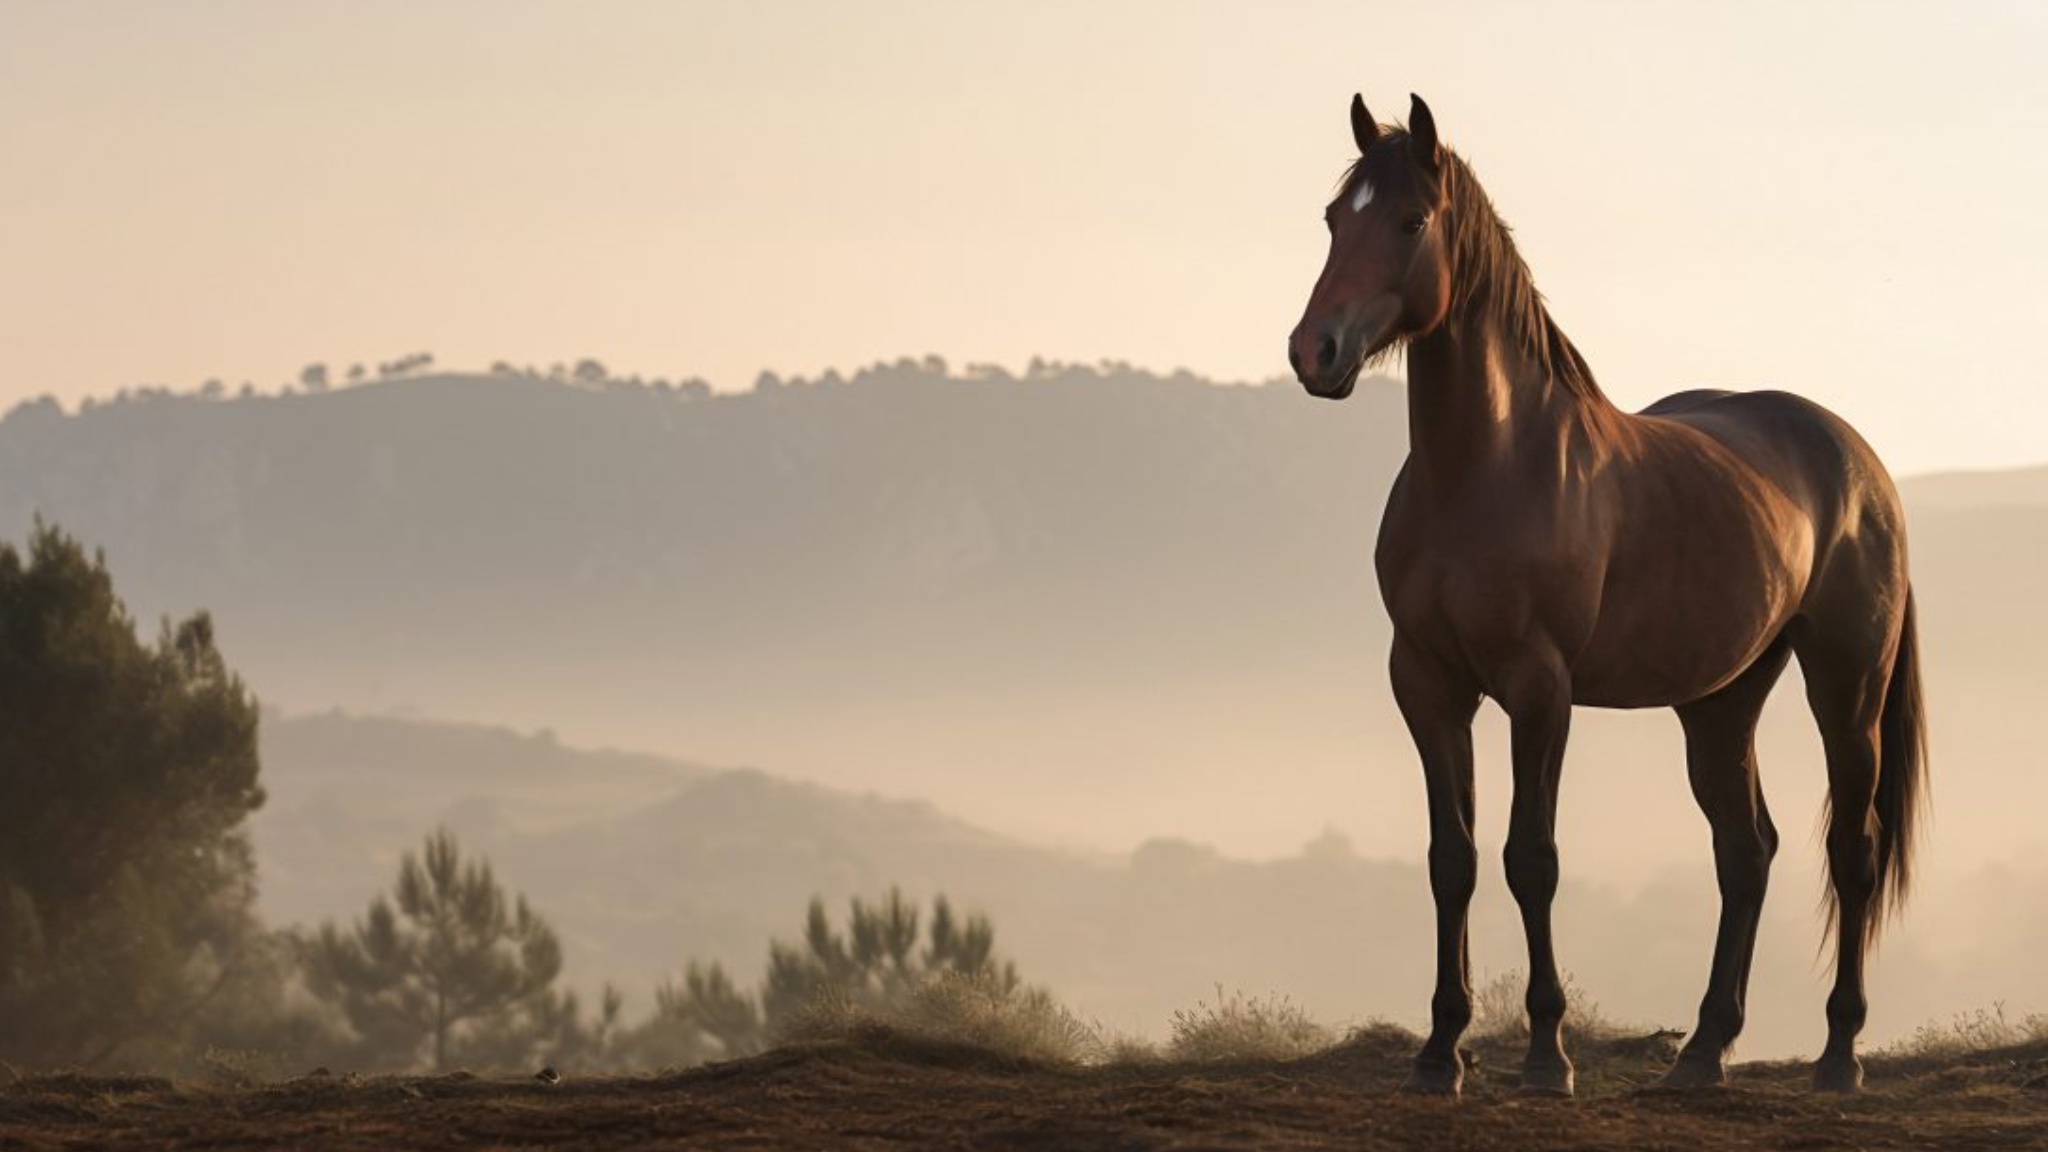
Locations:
1237 1027
886 962
1967 1032
976 1009
1499 1014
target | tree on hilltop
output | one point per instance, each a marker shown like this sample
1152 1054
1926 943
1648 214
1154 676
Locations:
407 365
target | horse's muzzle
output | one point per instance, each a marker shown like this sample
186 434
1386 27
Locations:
1327 361
1321 364
1335 388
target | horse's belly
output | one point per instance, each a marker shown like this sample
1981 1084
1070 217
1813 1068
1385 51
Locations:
1602 684
1682 647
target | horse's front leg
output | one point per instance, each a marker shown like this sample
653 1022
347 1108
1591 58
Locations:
1438 707
1538 701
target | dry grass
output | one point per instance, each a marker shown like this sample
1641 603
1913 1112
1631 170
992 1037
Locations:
1983 1030
1017 1023
1241 1028
1027 1024
1499 1016
1126 1050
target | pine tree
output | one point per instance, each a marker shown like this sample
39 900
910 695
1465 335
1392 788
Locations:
547 1029
705 1017
875 965
126 883
452 957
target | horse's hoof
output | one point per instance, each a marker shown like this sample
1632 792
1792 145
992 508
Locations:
1838 1076
1691 1072
1552 1081
1434 1078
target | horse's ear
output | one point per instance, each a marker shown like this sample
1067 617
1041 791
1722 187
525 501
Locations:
1364 128
1422 134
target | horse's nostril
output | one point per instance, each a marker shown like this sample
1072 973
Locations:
1326 354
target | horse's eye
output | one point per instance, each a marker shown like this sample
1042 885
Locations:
1414 225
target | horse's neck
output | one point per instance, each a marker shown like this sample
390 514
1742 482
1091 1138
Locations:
1484 406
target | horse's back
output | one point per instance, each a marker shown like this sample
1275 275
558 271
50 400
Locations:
1813 458
1799 444
1686 401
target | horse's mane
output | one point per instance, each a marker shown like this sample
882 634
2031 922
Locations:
1488 275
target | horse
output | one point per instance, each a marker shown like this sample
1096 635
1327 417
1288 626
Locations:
1543 548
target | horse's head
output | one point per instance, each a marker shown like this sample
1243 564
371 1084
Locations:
1388 274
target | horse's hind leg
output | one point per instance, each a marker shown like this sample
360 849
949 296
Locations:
1720 759
1847 672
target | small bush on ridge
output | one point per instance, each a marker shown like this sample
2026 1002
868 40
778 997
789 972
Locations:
1979 1031
980 1009
1237 1027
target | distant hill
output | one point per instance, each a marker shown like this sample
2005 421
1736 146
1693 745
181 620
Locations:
2011 488
346 795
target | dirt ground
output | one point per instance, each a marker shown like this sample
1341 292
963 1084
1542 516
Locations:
884 1092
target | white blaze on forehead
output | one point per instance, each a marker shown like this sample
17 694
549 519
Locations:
1362 197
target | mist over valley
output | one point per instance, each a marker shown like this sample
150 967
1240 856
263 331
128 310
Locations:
1094 650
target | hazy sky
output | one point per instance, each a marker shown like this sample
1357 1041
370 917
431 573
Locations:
1842 199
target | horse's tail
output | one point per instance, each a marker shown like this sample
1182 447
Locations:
1901 777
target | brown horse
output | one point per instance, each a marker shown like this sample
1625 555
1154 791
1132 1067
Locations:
1543 548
